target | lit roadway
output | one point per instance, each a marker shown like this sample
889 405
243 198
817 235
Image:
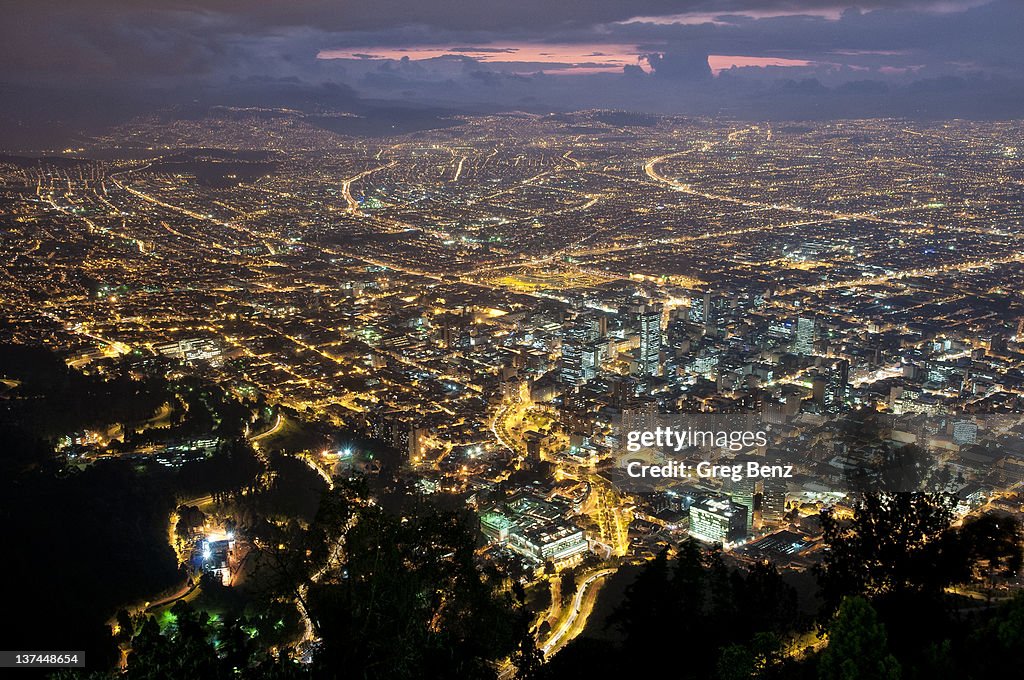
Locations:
278 423
577 615
603 506
614 529
930 271
650 169
352 207
499 425
179 209
346 187
334 557
255 441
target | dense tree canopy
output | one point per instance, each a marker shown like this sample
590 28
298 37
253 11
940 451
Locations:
902 544
730 620
408 601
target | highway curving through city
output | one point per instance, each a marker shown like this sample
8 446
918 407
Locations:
561 636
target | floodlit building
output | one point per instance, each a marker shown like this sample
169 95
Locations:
557 541
191 349
718 520
216 556
535 529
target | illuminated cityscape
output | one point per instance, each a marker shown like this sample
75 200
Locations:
520 392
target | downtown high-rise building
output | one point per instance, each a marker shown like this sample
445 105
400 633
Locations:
741 491
804 342
831 386
640 415
573 345
704 309
773 501
650 341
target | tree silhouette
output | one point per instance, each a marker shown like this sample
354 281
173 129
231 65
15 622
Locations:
993 545
408 601
567 584
891 545
191 646
858 645
735 617
901 544
757 659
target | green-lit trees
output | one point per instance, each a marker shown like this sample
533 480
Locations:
858 645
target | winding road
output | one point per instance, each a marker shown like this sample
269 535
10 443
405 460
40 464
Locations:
561 636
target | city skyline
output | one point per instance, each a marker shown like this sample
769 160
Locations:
500 304
513 340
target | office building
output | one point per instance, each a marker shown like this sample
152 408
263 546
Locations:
718 520
650 341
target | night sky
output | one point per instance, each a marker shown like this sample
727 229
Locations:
747 58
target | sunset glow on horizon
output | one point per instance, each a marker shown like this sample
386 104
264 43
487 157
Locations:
564 59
